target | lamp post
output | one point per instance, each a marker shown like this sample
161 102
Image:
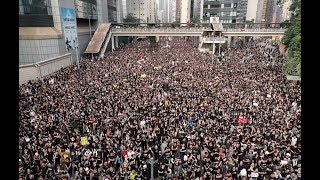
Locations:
77 46
212 52
151 161
219 43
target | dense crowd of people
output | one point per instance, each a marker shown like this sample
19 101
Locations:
170 106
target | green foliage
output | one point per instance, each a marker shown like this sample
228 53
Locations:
195 18
292 39
293 65
130 18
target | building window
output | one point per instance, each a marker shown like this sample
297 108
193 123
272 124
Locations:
205 6
40 7
227 5
215 6
234 5
35 13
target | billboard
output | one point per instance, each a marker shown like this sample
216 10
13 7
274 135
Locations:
69 24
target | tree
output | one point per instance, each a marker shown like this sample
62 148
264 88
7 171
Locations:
292 38
195 18
131 18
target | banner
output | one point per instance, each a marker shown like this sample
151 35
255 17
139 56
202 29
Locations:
84 141
242 119
69 24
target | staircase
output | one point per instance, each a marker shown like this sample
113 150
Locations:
105 44
100 38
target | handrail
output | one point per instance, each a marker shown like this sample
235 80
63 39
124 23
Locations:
190 29
213 38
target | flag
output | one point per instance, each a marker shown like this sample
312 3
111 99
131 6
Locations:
242 119
140 56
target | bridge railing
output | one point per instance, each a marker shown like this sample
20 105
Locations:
256 25
213 38
208 25
253 30
159 29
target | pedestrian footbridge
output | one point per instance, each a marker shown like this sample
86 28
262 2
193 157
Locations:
107 31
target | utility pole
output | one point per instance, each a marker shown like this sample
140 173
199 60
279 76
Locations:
77 46
151 161
219 43
212 53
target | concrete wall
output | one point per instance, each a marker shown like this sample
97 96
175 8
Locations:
28 72
32 51
83 41
35 50
43 68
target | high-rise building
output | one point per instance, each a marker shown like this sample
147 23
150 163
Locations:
164 8
286 14
123 7
157 11
172 10
178 10
242 11
112 11
260 9
228 11
268 12
41 29
152 9
195 9
252 10
142 9
121 10
185 11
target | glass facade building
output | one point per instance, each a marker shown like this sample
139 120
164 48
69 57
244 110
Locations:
228 11
35 13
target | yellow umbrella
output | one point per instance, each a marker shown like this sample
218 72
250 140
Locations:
143 75
166 103
115 85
